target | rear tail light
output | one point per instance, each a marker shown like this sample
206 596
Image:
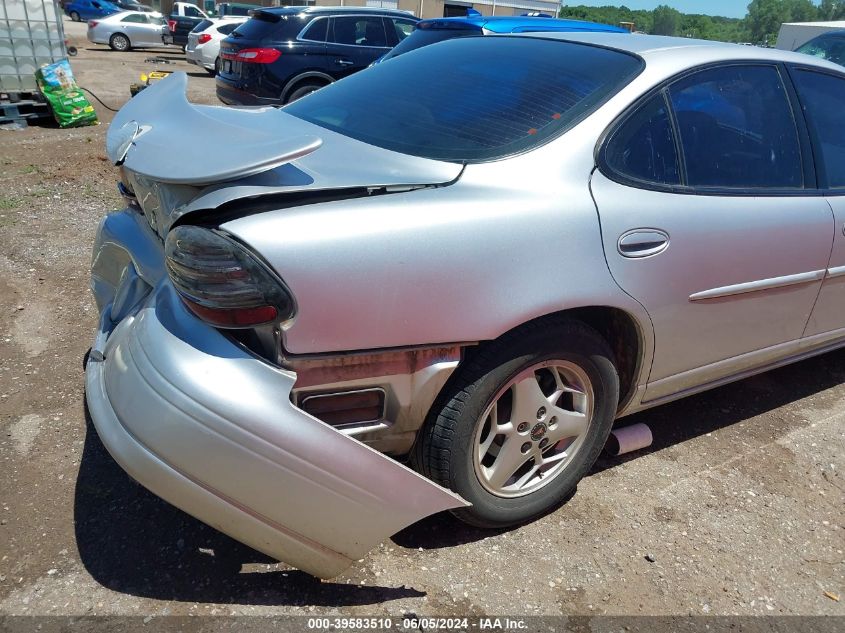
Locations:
254 55
222 282
202 39
171 24
91 25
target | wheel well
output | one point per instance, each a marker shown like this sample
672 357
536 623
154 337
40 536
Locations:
618 328
622 333
317 80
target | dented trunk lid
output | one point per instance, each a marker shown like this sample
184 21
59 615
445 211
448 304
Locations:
179 157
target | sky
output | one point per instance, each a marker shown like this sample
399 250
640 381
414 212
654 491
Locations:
728 8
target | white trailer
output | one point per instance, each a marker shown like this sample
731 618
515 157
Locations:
794 34
31 35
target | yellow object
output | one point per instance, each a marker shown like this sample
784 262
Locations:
143 77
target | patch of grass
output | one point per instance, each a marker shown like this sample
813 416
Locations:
31 169
8 203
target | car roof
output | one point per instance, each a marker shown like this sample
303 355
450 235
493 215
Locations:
334 10
677 53
125 12
507 24
837 33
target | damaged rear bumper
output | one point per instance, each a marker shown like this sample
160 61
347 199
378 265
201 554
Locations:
207 426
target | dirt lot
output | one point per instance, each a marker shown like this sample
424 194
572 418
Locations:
736 509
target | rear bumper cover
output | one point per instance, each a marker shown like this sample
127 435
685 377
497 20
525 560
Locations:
205 425
230 93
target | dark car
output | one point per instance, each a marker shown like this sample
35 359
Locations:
283 54
829 46
79 10
133 5
439 29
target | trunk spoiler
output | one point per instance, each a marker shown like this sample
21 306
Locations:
194 144
190 157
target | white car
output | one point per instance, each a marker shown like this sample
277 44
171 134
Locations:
127 29
204 41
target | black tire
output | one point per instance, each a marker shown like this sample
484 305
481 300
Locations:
74 16
445 446
216 68
303 89
119 42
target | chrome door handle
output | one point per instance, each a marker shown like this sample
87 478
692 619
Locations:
343 62
642 243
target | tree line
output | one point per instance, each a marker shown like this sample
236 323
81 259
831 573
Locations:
759 26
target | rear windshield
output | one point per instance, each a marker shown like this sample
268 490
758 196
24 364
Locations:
264 25
423 37
472 98
199 28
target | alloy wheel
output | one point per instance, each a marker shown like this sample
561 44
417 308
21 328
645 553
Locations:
532 428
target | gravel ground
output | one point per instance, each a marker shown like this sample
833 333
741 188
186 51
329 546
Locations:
737 508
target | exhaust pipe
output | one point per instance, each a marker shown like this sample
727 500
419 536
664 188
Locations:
627 439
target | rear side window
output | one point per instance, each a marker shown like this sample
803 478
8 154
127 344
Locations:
316 31
643 147
265 25
831 48
192 12
398 29
822 97
471 99
228 28
199 28
736 129
135 18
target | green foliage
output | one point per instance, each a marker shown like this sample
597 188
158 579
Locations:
760 26
665 20
831 10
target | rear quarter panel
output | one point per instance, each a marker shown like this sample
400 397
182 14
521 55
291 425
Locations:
510 241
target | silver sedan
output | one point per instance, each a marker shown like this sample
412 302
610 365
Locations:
128 29
437 284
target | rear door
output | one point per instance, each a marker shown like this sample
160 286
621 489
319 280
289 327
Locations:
139 30
822 95
707 223
354 42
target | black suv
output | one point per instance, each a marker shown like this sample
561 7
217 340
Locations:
283 54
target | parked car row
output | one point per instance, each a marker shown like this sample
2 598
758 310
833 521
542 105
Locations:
283 54
273 56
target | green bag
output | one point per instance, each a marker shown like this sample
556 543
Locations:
69 105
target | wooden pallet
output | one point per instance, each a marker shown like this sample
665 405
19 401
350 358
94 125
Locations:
22 107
